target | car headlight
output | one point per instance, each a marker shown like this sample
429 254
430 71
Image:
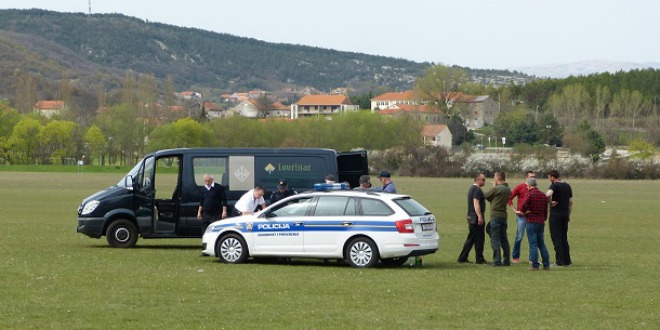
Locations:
90 207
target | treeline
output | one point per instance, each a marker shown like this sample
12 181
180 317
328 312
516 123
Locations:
119 136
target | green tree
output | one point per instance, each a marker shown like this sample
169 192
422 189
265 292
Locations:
57 139
641 150
95 143
184 133
24 141
438 84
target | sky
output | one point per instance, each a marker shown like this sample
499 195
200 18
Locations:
487 34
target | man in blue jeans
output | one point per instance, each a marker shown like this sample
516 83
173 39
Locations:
519 191
535 209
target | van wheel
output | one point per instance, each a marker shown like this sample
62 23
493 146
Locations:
394 262
231 249
362 252
122 234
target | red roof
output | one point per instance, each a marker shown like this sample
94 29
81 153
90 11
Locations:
324 99
394 96
433 130
211 106
49 105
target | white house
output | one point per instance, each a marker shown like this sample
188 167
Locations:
437 135
322 105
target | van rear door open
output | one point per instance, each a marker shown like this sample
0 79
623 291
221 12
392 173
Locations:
351 165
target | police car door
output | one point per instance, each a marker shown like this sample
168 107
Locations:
329 224
279 230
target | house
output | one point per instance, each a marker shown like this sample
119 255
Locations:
49 108
209 109
253 108
477 110
437 135
322 105
425 113
386 100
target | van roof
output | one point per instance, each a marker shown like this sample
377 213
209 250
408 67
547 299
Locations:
244 151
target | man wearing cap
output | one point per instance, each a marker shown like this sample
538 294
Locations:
535 210
283 191
386 179
365 183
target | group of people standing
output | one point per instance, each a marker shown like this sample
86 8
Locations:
531 212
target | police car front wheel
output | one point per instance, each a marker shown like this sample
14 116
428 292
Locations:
362 252
231 249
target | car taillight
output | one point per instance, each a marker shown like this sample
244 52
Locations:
405 226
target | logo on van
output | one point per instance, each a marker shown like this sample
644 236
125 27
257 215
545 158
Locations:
242 173
269 168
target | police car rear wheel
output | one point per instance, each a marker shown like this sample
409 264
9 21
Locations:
394 262
231 249
362 252
122 234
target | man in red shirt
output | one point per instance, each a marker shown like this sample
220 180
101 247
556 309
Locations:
520 191
535 210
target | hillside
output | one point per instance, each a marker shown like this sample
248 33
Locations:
101 48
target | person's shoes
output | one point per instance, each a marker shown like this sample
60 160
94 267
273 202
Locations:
546 268
515 260
464 261
533 268
494 264
481 262
506 263
555 265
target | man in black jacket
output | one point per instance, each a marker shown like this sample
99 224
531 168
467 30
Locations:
213 205
283 191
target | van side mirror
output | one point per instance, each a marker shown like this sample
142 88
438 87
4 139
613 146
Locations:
128 182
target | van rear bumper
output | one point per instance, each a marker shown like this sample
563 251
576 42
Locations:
92 227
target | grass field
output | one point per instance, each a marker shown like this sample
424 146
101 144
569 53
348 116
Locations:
52 277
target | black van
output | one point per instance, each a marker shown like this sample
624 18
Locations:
160 196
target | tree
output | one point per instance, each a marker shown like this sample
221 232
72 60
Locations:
24 141
587 141
184 133
95 143
641 150
439 84
57 139
26 92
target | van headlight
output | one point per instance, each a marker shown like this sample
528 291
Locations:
90 207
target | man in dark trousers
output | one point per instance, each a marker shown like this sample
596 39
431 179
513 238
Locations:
283 191
498 197
475 218
560 196
213 205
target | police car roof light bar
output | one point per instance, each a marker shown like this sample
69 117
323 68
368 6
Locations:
330 186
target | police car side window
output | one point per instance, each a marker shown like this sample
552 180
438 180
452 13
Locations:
374 207
294 208
330 206
351 207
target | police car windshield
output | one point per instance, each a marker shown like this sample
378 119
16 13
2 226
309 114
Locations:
412 207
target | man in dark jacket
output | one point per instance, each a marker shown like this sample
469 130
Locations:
283 191
213 205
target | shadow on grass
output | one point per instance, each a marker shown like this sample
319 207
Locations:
153 247
333 263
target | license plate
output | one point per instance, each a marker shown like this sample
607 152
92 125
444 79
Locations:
428 226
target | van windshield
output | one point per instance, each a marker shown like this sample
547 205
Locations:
133 173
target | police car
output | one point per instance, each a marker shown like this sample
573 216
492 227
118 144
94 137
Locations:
361 227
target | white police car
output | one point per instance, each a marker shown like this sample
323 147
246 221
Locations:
362 227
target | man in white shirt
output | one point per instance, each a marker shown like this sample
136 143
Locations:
248 203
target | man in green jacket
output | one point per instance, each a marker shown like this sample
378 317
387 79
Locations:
498 196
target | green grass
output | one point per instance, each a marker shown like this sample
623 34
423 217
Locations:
52 277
